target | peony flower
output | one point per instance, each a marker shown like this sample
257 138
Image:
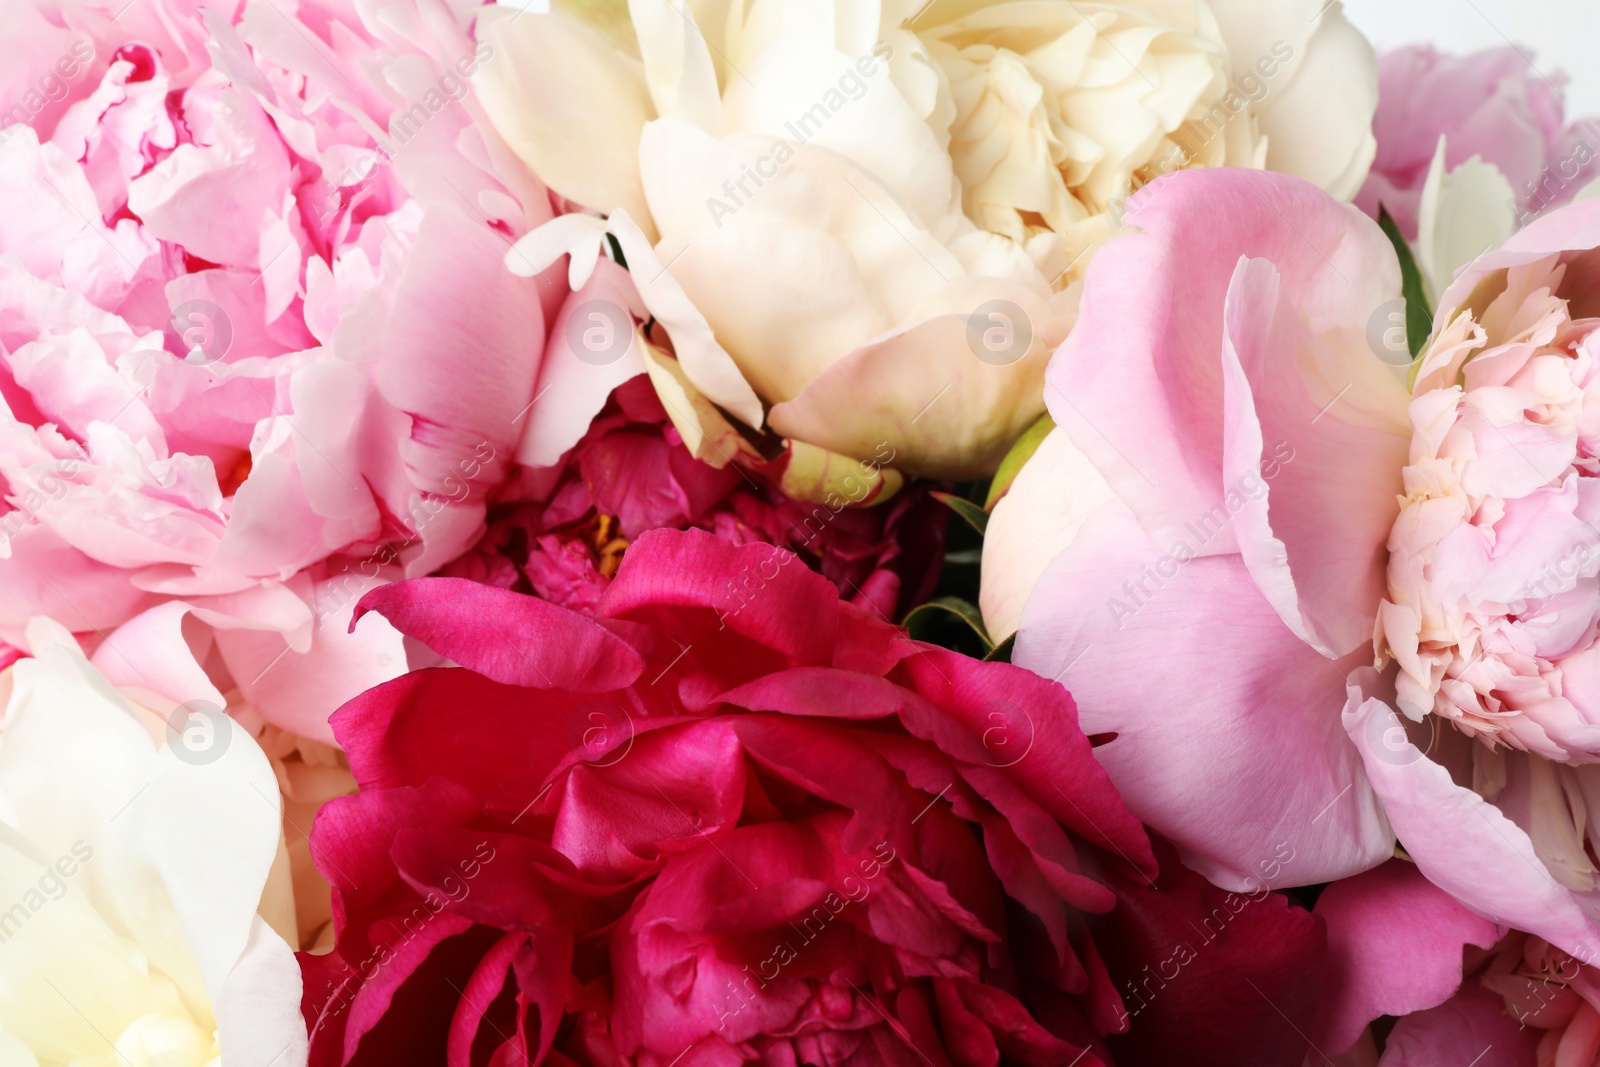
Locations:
1529 1000
259 344
1470 149
1493 106
631 473
1359 604
865 229
137 880
1460 986
731 816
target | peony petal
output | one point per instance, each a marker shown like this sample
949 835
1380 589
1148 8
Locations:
1057 489
574 381
1235 977
584 146
1471 1027
151 651
1138 385
1228 741
1460 842
258 1011
957 423
569 652
1394 947
455 724
1319 125
1312 493
1574 229
798 617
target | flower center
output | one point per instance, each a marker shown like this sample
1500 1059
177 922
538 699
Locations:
1060 113
1493 604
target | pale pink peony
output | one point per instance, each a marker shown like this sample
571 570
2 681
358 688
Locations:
258 349
1463 990
1493 105
1360 601
1492 610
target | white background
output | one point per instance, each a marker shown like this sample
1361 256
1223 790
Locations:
1559 35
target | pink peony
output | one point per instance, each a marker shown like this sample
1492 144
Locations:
631 473
1534 1004
1493 105
775 828
260 348
701 827
1463 989
1315 598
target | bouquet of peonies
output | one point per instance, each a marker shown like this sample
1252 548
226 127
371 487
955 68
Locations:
692 533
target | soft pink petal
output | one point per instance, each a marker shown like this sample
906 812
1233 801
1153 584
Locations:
1394 947
575 380
1138 385
151 652
1469 1028
1574 228
1228 740
299 690
1312 495
1462 843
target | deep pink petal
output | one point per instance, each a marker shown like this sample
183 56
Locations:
997 718
767 594
479 994
529 641
1210 977
498 740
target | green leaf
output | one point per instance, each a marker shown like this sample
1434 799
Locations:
1419 317
925 617
1020 453
976 517
1001 653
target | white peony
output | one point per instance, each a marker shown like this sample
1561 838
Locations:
861 223
136 862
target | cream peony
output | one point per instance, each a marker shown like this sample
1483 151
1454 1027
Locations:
863 223
136 863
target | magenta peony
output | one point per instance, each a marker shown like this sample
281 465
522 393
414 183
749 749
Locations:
260 348
744 827
1318 598
631 473
727 820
